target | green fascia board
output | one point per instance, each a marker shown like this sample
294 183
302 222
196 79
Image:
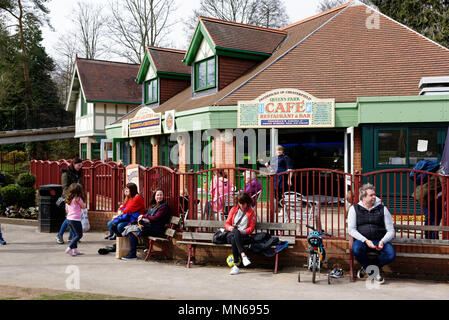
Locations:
242 54
147 62
403 109
199 35
114 131
346 115
118 102
173 76
143 68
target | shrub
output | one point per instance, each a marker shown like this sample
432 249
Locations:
11 195
26 180
16 156
27 197
9 179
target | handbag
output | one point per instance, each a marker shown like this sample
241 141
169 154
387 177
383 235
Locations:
85 220
60 202
220 236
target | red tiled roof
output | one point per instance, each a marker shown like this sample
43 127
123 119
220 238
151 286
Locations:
169 60
239 36
109 80
335 55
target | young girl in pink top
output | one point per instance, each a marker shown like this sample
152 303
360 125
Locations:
75 202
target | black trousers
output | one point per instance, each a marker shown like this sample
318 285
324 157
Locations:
238 240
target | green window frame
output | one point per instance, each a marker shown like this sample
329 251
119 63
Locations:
205 74
83 106
96 151
151 91
402 151
83 150
145 152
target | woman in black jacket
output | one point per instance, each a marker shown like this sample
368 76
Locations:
72 174
152 223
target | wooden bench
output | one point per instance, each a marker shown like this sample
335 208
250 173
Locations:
404 227
169 234
197 238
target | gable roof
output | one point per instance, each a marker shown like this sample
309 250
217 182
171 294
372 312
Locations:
164 61
225 36
108 81
335 55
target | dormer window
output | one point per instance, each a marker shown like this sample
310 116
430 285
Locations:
150 89
205 74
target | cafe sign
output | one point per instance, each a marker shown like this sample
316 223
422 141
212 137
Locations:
286 108
145 123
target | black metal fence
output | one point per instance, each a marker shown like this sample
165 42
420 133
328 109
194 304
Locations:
19 119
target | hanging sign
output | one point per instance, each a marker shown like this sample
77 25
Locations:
286 108
145 123
169 123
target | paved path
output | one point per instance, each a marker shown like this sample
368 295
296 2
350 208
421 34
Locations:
33 259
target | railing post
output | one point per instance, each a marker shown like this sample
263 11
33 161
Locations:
357 185
92 202
191 192
445 221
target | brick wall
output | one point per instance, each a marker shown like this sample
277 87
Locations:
336 252
357 149
230 69
170 87
156 153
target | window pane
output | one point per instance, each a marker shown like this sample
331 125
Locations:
423 144
392 147
211 72
148 91
154 96
201 79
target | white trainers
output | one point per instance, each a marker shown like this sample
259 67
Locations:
246 261
234 270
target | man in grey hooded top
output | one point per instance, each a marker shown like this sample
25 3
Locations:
371 226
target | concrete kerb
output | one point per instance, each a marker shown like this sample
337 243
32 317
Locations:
33 259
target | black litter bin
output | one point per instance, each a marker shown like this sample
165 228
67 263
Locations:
50 215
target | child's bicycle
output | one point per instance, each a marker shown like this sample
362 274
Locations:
316 251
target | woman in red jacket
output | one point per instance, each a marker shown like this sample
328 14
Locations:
240 224
129 211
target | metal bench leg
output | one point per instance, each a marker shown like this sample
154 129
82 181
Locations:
276 263
351 267
189 256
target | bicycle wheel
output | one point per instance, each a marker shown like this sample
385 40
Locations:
314 267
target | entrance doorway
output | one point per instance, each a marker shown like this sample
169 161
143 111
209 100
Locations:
314 148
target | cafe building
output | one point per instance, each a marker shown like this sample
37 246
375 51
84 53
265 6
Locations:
348 89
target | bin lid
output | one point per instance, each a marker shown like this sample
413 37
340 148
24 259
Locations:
50 186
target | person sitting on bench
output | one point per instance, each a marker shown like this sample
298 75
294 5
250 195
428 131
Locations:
152 223
241 223
130 210
371 226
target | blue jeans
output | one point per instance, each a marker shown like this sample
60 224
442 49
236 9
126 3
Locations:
1 236
385 256
64 228
120 227
77 228
431 220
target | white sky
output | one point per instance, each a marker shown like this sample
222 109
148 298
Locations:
60 11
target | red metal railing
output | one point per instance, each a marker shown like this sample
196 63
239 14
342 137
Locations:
319 197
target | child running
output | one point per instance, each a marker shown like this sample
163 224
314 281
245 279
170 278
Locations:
75 202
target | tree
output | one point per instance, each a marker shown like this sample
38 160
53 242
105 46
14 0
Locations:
263 13
136 24
90 30
20 10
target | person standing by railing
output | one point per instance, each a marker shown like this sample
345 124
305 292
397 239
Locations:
278 164
72 174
